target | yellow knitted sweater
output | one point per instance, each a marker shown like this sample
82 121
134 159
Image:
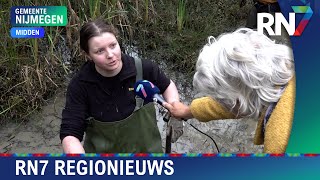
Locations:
277 130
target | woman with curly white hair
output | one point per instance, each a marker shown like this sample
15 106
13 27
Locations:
245 74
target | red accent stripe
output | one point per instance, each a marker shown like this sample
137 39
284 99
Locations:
107 155
5 155
277 155
311 155
209 155
243 155
141 155
38 155
175 155
73 155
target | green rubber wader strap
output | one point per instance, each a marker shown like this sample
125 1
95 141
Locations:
139 76
138 63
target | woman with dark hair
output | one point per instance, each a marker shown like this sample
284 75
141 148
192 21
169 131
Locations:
101 102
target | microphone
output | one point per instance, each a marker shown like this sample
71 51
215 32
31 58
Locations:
148 91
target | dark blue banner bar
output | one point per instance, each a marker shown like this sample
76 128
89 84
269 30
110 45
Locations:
240 167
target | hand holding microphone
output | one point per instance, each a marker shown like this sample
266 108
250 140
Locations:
179 110
149 92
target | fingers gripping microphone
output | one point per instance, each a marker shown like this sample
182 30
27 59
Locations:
148 91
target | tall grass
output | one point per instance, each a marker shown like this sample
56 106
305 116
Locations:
32 70
94 7
146 17
181 14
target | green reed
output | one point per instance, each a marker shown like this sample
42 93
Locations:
181 14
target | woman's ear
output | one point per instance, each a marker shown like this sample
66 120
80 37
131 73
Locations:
86 56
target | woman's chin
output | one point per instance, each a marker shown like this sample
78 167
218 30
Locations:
113 67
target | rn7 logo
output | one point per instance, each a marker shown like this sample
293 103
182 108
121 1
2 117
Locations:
279 19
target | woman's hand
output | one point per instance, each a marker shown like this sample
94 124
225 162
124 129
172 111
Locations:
72 145
179 110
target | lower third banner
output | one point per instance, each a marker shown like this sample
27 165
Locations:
161 166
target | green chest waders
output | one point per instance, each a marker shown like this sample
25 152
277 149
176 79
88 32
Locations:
137 133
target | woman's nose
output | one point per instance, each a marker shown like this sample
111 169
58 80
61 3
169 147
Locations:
109 53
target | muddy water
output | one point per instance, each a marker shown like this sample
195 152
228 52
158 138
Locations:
41 133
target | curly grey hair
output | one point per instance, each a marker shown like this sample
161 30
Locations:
243 70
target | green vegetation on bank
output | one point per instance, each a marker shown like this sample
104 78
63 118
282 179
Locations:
33 70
